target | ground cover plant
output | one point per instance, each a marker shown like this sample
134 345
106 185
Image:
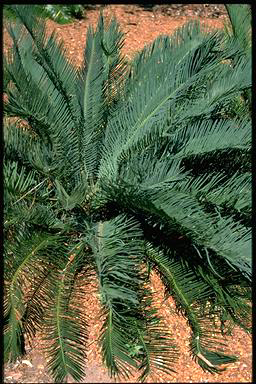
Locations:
117 168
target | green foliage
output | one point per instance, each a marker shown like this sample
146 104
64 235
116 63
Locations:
62 14
8 12
238 28
239 33
115 168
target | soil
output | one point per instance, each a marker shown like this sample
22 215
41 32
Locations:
141 24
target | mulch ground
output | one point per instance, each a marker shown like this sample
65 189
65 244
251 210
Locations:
141 26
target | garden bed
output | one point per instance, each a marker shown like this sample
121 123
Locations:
141 26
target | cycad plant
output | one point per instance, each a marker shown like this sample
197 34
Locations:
114 169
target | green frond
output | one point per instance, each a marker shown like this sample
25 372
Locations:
182 212
14 345
23 146
176 47
178 273
215 188
115 66
117 253
225 193
21 267
228 196
77 195
156 107
190 292
22 187
220 88
36 216
53 83
151 173
156 345
93 103
100 78
17 183
37 300
233 241
65 324
238 27
231 298
116 344
224 236
23 75
131 335
144 117
59 70
205 136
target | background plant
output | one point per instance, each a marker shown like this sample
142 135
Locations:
117 168
62 14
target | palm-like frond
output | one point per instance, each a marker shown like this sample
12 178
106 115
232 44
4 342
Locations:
118 263
151 173
22 145
65 324
21 266
185 214
155 105
129 323
155 344
17 183
223 236
190 293
182 43
93 96
114 63
234 192
221 191
100 78
229 300
53 83
239 30
223 84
